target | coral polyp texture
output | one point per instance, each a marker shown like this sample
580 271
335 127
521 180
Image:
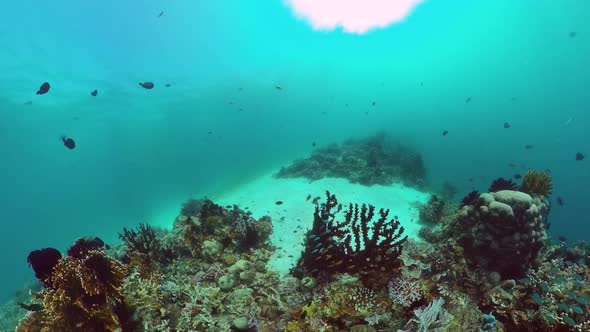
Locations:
504 231
374 160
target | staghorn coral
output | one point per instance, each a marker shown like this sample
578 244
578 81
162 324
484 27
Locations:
537 182
346 246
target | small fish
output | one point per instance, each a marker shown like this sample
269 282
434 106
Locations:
167 85
308 197
445 132
562 238
316 200
580 156
517 176
161 13
278 87
147 85
528 146
313 144
559 201
279 202
468 100
373 103
68 142
572 34
421 83
513 98
28 103
506 125
94 92
43 89
345 105
30 307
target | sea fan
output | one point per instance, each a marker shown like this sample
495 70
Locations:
502 184
470 199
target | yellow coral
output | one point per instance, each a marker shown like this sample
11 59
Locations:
537 182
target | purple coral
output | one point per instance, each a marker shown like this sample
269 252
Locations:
404 291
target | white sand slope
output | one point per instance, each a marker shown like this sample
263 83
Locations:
295 216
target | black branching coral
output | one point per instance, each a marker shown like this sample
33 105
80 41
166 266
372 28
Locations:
353 245
145 241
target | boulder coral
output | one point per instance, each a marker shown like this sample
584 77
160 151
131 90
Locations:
503 232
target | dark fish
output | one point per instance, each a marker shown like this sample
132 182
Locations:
517 176
580 156
43 89
562 238
316 200
161 13
167 85
28 103
573 34
308 197
559 201
468 100
421 83
30 307
373 103
528 147
278 87
279 202
68 142
147 85
94 93
313 144
506 125
445 132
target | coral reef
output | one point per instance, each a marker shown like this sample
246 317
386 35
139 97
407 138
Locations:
144 241
505 233
82 293
332 246
432 211
373 160
537 182
487 266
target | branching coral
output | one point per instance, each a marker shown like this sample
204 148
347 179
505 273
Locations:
144 241
346 246
404 291
537 182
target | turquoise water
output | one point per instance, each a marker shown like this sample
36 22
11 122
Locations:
140 153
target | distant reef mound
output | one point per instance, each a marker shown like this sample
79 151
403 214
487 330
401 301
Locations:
378 159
